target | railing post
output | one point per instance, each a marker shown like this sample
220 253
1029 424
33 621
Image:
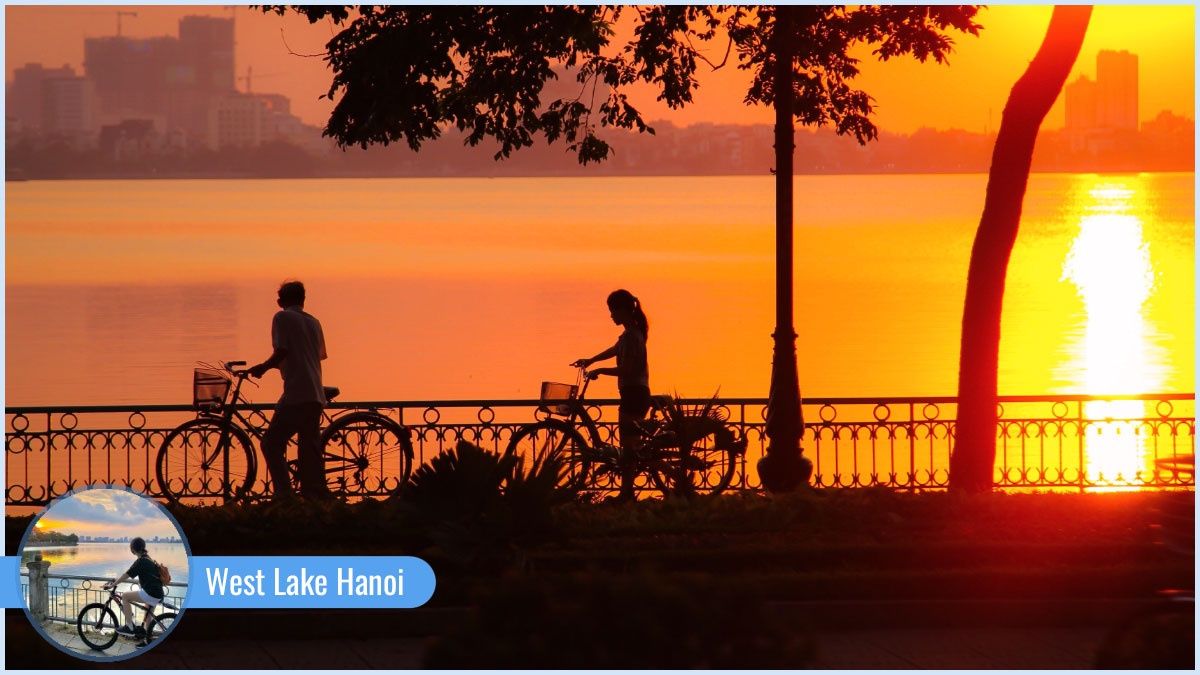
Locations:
1082 442
912 448
39 587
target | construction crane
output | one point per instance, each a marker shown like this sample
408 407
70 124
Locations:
249 74
119 13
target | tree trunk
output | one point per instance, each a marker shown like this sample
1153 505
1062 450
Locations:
783 468
974 457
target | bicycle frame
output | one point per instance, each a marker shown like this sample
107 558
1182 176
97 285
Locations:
230 421
668 446
147 610
228 412
578 410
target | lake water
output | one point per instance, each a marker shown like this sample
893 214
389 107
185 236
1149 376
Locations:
105 560
109 560
482 288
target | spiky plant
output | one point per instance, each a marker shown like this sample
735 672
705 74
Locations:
478 506
678 444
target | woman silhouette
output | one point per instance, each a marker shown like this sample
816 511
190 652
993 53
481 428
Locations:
150 592
633 377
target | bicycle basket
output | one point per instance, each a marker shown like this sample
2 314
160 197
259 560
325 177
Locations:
209 388
557 394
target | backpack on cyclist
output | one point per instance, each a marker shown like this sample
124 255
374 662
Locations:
164 574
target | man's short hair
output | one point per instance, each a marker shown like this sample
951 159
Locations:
291 293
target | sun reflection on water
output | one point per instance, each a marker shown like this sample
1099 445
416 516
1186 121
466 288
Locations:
1109 263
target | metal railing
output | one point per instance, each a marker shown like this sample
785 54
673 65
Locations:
68 594
1053 442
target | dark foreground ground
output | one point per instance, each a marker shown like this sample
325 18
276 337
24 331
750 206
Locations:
828 579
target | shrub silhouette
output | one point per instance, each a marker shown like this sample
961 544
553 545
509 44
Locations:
479 506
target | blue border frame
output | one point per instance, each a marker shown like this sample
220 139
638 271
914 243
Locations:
187 548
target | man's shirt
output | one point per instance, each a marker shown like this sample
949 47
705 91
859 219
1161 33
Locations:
300 334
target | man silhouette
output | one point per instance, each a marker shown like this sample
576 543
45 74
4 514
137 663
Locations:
299 348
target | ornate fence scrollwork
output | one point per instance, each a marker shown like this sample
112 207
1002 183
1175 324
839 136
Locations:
1050 442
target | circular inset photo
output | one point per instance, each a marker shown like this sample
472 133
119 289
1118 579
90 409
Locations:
104 573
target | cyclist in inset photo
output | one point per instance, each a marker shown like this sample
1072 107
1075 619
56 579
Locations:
150 593
299 348
633 377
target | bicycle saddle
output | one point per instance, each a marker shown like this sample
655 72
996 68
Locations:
331 393
660 401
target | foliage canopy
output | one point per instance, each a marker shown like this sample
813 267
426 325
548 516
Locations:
409 72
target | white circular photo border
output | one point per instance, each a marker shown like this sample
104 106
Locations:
187 548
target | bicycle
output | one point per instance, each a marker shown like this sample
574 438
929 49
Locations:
97 623
672 448
212 456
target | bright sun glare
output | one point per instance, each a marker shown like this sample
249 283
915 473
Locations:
1109 263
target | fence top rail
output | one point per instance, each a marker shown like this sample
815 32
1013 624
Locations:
516 403
77 577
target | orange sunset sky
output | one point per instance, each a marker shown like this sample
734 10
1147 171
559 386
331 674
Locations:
968 94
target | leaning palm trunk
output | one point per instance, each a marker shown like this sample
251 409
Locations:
974 456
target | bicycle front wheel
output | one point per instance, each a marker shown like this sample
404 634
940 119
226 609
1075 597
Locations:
533 443
97 626
206 460
366 454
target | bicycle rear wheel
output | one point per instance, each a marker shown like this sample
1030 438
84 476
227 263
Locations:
366 454
193 467
690 470
159 625
97 626
534 443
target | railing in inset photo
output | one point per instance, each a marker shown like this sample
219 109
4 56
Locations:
60 597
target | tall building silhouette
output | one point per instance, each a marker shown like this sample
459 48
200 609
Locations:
206 50
26 94
206 45
165 78
1117 90
67 106
1110 103
131 76
1081 104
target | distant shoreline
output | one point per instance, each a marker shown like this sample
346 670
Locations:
248 176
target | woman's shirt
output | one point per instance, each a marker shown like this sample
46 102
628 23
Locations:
146 572
631 350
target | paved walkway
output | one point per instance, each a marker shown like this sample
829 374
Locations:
394 641
966 648
66 635
1040 648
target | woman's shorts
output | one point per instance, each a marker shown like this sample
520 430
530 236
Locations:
145 597
635 402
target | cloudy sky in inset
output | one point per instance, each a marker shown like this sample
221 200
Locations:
106 512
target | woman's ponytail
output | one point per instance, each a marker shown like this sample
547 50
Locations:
624 299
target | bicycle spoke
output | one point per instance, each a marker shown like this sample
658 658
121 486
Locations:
97 626
535 443
202 460
365 454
